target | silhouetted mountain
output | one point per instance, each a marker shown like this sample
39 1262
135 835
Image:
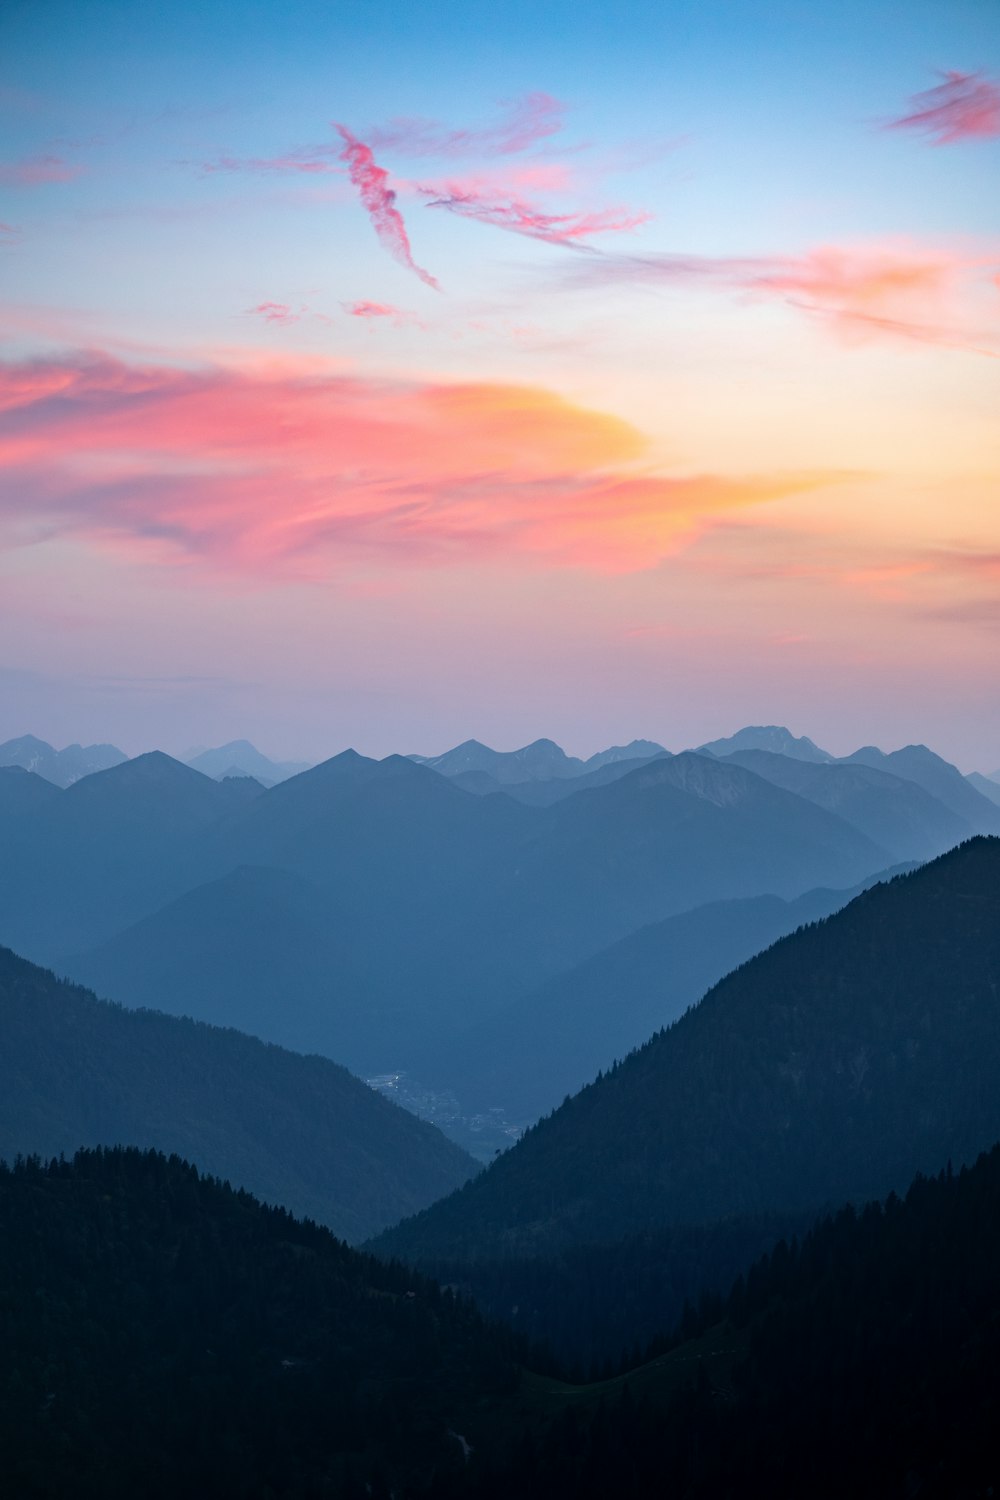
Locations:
897 814
528 1057
165 1336
299 1131
240 757
987 786
774 738
543 793
105 851
536 762
832 1067
61 767
939 777
634 750
22 793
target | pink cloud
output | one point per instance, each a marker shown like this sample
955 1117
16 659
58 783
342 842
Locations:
377 311
379 200
523 123
9 234
275 312
520 216
31 171
293 470
966 106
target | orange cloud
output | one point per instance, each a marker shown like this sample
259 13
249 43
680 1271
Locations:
295 469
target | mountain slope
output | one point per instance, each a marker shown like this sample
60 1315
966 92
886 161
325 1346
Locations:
300 1131
987 786
939 777
833 1066
528 1057
898 814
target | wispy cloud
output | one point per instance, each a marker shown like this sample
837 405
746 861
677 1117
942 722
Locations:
310 160
520 216
523 123
9 234
901 291
32 171
291 471
966 106
381 312
372 183
275 312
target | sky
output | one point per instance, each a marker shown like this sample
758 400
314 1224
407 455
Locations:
393 374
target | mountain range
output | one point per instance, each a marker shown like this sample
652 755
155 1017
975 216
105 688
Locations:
392 915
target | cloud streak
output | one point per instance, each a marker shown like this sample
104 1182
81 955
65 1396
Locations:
523 123
33 171
965 106
519 216
379 200
274 312
292 472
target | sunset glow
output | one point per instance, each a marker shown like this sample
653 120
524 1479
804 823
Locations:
532 347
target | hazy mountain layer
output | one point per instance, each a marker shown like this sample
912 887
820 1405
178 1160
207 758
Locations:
897 814
774 738
425 908
944 781
241 758
531 1055
299 1131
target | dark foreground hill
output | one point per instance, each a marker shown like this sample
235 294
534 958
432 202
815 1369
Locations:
835 1065
166 1336
163 1335
861 1362
299 1131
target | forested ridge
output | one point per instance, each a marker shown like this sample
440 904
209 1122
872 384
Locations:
847 1057
165 1335
299 1131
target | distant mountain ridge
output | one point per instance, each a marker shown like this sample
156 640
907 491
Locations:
543 760
240 758
61 767
771 737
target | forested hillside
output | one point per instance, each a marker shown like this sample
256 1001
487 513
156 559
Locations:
298 1131
164 1335
835 1065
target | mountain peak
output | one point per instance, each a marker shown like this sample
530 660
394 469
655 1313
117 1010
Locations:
773 737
